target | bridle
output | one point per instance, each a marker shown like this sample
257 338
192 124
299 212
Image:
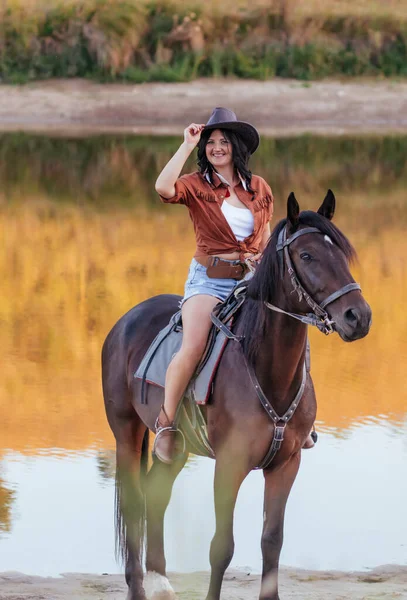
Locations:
319 317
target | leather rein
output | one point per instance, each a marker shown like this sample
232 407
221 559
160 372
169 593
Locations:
319 318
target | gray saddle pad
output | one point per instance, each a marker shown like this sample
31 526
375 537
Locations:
154 365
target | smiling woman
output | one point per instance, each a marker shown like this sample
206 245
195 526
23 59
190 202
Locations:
226 242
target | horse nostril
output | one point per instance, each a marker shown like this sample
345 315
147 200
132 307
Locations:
352 316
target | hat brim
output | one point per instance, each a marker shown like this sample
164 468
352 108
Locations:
249 134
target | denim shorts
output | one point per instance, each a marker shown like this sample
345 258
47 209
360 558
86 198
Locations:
199 283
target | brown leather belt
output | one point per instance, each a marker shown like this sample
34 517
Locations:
219 268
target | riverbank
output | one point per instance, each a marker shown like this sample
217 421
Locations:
278 107
383 583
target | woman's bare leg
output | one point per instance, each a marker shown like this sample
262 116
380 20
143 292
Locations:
196 322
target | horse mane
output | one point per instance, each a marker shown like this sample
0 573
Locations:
262 287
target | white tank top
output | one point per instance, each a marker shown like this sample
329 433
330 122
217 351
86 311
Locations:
241 220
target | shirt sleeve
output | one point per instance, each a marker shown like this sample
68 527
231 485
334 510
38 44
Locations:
271 205
268 194
181 193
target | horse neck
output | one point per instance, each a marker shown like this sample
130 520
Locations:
280 357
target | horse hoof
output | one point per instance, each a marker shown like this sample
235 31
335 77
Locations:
157 587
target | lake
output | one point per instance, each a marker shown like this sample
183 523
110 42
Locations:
84 239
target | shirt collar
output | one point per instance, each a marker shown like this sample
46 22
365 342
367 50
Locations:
222 179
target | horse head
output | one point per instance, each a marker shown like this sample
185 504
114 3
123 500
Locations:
315 262
304 272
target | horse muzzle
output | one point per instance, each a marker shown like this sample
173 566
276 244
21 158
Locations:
353 323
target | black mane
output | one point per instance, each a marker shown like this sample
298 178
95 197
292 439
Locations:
267 279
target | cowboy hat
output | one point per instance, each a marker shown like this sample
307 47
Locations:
223 118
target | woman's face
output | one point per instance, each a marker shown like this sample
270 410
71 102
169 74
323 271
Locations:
218 150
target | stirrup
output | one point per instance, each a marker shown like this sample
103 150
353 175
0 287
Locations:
173 429
176 456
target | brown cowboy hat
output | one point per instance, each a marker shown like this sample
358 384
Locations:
223 118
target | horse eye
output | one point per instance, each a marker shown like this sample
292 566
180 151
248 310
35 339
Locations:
305 256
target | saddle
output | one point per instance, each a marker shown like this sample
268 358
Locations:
153 368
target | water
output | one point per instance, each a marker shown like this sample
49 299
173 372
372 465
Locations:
84 240
348 494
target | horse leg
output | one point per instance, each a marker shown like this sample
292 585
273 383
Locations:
131 447
159 483
278 484
229 475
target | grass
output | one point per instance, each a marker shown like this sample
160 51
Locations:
170 40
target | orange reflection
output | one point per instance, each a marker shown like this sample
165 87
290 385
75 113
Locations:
69 273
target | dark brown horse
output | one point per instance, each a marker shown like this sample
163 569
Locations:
305 264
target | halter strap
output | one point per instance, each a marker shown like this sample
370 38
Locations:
282 242
320 317
345 290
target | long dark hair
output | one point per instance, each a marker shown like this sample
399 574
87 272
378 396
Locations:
240 155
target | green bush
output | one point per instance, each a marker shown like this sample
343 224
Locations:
166 40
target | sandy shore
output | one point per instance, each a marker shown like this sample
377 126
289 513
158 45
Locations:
277 107
383 583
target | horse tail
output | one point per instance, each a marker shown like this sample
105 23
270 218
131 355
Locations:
137 508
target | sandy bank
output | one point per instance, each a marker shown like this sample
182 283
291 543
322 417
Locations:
384 583
277 107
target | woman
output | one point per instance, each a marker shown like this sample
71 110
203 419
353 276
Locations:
230 209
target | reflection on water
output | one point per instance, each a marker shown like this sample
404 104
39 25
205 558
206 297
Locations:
6 499
348 494
84 239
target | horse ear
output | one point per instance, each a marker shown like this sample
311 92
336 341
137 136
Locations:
293 211
327 208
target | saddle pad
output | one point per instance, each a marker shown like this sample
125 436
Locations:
154 365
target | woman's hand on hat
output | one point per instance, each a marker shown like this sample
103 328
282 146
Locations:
192 134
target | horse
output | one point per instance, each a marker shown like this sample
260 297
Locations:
304 265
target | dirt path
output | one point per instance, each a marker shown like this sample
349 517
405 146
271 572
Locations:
384 583
277 107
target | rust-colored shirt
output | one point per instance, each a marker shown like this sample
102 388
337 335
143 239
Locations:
212 231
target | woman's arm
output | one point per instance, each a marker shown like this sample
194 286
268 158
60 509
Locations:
165 184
